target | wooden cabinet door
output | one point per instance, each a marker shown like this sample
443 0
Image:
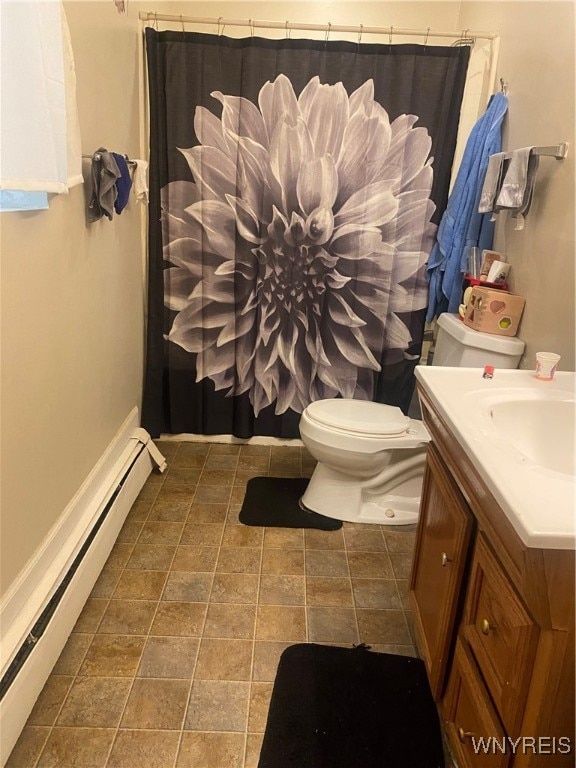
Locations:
474 730
442 544
502 635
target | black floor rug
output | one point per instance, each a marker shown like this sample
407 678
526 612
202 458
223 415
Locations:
350 708
273 501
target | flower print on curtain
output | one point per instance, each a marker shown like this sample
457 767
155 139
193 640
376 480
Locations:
294 249
317 230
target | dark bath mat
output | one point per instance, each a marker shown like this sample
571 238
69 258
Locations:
273 501
350 708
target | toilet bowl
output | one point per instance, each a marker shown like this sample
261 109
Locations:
370 461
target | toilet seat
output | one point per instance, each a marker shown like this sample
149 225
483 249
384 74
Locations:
361 418
338 438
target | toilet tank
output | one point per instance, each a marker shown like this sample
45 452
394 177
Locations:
463 347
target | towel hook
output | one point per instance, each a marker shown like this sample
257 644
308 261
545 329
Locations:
503 87
360 33
328 32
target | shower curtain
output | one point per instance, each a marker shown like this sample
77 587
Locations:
295 189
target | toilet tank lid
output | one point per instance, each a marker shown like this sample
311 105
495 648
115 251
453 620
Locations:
506 345
359 416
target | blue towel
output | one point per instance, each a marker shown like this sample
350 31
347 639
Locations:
123 184
461 225
14 200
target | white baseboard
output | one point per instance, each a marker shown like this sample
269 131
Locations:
29 595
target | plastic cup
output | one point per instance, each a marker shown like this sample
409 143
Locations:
473 264
546 364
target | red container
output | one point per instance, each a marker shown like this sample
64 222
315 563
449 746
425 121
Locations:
473 281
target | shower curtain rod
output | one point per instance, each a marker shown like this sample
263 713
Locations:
288 26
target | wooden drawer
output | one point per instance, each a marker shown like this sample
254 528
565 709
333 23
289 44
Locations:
470 716
437 579
502 636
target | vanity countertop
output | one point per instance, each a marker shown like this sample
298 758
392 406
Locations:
519 432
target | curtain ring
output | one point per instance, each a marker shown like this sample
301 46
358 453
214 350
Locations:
156 21
360 33
288 31
182 22
219 20
328 32
390 35
251 25
427 34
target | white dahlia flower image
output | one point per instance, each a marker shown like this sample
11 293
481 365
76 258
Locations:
300 243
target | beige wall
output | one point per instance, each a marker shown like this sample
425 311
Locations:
72 309
406 13
537 61
72 297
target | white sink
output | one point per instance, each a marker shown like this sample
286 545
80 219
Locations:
520 433
541 431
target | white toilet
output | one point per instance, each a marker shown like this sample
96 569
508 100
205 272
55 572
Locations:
370 461
371 456
463 347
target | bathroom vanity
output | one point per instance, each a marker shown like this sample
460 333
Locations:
493 589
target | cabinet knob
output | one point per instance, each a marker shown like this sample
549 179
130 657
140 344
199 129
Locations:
463 735
445 559
485 626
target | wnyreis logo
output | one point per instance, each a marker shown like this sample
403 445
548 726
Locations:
524 745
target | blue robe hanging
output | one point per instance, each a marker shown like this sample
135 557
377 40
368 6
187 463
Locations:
461 225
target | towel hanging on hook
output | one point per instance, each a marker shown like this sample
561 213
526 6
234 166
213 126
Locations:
104 173
96 156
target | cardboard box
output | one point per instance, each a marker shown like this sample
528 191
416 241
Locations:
492 311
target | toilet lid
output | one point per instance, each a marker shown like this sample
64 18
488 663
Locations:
359 416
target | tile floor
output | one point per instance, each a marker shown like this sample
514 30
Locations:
172 660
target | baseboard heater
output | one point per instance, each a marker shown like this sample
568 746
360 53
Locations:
32 644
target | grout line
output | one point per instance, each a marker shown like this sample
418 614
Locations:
306 620
359 639
135 675
201 635
258 593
